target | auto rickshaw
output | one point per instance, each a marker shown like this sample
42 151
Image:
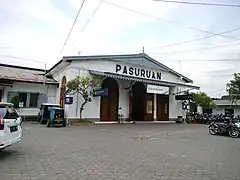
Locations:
51 114
56 117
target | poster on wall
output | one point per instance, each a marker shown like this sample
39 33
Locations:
157 89
149 107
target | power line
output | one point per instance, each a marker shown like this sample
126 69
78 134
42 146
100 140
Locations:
92 15
164 20
200 3
21 58
200 49
198 39
72 26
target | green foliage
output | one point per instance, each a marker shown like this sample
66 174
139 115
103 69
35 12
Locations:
233 88
15 100
84 86
203 100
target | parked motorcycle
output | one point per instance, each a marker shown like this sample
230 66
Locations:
230 128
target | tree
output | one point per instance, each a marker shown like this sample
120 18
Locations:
233 88
16 100
203 100
84 86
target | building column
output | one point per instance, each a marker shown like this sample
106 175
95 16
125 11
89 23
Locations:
175 107
123 99
155 108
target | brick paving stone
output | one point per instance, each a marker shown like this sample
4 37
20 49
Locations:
134 152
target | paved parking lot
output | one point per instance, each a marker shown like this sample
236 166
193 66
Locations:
130 151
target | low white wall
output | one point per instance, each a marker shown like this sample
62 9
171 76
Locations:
28 111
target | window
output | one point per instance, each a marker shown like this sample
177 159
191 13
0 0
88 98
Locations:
33 100
23 97
30 100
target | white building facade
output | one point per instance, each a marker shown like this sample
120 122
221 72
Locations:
29 84
226 107
139 87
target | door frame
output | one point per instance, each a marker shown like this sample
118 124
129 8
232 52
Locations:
166 98
149 117
107 116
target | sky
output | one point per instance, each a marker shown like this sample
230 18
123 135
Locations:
36 31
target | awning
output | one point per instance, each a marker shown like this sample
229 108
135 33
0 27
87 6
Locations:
148 81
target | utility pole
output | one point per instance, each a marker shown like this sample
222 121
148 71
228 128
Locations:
180 66
142 56
44 81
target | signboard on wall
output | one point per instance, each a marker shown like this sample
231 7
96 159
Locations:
100 92
157 89
68 100
184 97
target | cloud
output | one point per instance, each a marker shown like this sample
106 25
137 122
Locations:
37 30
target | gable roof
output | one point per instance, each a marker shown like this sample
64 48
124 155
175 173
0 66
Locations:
23 74
146 60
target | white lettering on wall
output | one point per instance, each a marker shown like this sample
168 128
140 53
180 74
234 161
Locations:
138 72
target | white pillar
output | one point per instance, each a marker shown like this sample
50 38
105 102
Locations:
175 107
199 109
155 107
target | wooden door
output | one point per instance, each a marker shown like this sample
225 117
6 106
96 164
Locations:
104 108
162 107
109 106
149 115
113 105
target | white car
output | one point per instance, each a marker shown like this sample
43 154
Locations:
10 125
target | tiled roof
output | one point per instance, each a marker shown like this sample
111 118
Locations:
24 74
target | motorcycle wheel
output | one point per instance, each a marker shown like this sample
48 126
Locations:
233 133
212 130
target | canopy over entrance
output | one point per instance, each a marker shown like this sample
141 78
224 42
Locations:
148 81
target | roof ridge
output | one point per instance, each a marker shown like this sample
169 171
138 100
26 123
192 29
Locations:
21 67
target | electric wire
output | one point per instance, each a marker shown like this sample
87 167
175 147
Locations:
74 22
200 3
198 39
89 19
167 21
200 49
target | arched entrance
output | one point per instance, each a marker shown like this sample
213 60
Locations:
63 90
138 102
109 104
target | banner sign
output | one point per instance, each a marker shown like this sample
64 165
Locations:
100 92
157 89
68 100
184 97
